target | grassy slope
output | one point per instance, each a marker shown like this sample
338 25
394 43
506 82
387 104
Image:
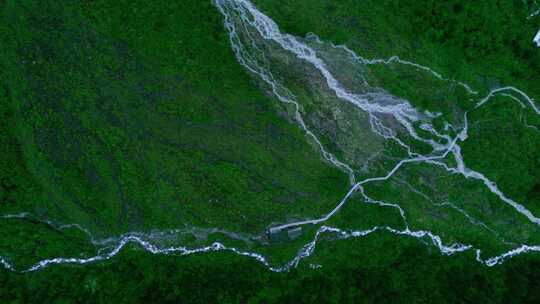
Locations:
461 40
136 118
486 44
378 269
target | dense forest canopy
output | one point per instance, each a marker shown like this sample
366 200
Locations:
156 45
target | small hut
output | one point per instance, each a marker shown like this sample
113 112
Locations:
275 234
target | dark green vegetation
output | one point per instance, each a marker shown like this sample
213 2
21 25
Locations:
377 269
128 125
484 43
132 115
481 43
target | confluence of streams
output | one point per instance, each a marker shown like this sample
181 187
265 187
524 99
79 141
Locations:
244 13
